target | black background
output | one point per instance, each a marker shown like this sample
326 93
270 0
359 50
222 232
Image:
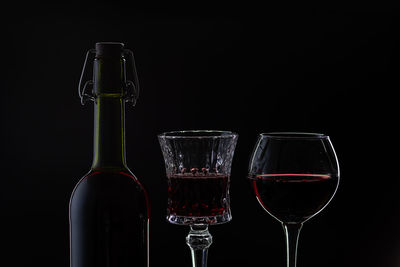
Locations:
242 67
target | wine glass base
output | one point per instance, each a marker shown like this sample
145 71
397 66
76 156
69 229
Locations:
191 220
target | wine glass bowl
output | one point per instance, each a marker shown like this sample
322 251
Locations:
293 176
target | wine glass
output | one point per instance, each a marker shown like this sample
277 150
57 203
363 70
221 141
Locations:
198 166
293 176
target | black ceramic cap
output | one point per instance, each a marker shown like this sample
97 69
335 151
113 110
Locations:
109 49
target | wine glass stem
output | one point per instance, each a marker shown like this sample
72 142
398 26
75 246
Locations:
292 231
199 240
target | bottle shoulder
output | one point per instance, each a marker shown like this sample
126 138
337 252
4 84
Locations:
103 191
110 180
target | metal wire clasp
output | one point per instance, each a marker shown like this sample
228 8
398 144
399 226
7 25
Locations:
85 91
131 88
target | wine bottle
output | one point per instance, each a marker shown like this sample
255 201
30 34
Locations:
109 207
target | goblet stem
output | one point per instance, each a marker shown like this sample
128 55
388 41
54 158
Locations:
292 231
199 240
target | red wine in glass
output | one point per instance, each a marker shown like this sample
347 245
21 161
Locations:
293 198
198 195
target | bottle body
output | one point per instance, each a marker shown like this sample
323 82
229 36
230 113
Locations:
109 221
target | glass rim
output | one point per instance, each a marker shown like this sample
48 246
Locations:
197 134
293 135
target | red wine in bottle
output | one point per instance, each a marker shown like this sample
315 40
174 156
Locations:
293 198
109 207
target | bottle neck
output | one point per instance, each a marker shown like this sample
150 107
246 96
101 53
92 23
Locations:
109 133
